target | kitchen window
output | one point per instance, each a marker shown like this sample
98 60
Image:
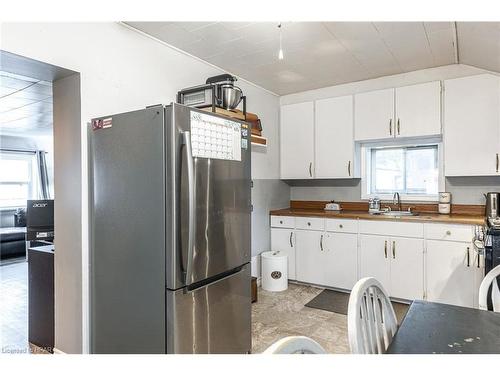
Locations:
18 179
414 171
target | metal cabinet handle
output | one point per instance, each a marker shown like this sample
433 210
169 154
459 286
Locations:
191 205
398 127
390 126
291 243
393 249
478 260
341 226
448 232
385 249
497 163
321 243
349 168
468 256
310 169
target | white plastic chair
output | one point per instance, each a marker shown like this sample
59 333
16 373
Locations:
490 280
295 345
371 320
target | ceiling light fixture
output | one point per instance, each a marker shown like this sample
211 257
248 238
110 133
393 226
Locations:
280 52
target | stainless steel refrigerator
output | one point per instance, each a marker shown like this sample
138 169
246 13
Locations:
170 232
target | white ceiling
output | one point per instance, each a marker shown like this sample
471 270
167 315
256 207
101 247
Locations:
319 54
25 105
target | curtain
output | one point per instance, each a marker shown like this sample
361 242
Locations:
43 175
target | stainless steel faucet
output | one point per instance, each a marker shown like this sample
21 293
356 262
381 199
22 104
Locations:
397 198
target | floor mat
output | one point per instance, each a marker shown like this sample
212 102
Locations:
337 302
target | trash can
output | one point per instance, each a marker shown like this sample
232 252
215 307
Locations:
274 271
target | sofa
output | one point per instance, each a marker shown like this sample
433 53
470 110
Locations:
12 242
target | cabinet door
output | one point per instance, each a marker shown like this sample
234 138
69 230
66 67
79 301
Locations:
297 141
450 272
418 110
341 258
472 126
334 138
374 258
309 256
374 115
407 268
284 240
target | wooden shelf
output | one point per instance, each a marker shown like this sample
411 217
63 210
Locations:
258 141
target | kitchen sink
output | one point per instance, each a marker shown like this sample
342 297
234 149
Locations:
399 213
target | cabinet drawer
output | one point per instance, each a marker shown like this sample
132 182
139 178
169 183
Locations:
391 228
311 223
341 225
449 232
283 221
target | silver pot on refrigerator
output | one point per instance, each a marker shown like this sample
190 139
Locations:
492 204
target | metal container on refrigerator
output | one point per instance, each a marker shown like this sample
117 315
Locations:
170 233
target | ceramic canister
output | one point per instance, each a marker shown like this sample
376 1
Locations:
444 208
444 197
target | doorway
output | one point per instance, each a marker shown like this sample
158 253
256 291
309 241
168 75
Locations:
27 230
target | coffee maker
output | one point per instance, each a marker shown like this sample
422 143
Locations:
492 205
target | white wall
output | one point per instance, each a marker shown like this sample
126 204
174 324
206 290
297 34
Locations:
68 221
397 80
122 70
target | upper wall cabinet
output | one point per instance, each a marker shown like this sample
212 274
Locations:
374 115
472 126
297 141
409 111
418 110
334 151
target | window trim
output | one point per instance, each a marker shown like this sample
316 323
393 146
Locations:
366 168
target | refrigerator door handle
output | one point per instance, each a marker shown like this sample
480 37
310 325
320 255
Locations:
191 204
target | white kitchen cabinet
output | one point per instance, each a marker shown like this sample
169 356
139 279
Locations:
283 240
340 260
374 258
334 138
309 256
374 115
407 268
397 262
451 272
472 126
297 141
418 110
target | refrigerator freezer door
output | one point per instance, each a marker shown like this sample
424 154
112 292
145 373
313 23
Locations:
213 319
220 215
127 212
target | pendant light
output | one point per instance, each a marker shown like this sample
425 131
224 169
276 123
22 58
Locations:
280 52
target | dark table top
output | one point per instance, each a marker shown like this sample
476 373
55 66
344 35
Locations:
430 327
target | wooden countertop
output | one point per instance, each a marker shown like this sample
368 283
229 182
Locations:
364 215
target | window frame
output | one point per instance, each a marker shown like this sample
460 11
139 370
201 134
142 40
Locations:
366 169
32 184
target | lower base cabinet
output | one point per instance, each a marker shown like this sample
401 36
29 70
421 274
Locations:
437 264
341 259
374 258
284 240
309 257
453 272
398 263
326 258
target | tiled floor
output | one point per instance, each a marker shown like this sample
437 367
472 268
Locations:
280 314
14 308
